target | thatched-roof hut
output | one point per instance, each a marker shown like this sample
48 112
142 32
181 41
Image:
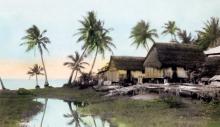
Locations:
125 68
172 60
211 67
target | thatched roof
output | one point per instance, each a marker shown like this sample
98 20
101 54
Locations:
211 66
213 51
127 62
172 54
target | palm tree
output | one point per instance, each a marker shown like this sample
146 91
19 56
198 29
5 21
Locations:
35 71
184 37
103 43
72 64
209 35
171 28
2 84
94 36
36 39
142 34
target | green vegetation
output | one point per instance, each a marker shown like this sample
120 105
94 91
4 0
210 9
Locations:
14 108
172 29
210 34
142 34
75 68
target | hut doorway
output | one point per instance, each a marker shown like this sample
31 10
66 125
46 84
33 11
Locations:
128 75
174 76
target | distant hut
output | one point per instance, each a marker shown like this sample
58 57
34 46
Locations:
172 61
125 68
211 68
213 51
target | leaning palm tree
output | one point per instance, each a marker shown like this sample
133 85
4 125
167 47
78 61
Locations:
103 43
171 28
36 39
94 36
35 71
210 34
143 34
75 68
2 84
184 37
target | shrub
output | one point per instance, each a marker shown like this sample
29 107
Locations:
172 100
22 91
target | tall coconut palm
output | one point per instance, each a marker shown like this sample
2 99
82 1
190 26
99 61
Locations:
210 34
172 29
35 71
184 37
36 39
76 65
94 36
103 43
142 34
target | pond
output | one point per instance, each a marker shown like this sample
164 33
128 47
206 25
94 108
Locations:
60 113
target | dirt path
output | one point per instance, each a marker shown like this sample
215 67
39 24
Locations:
145 97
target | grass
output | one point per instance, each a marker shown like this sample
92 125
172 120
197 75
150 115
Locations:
14 108
120 111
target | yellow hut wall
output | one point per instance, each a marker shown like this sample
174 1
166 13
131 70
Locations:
164 72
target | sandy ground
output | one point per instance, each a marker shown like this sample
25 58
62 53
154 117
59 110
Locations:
145 97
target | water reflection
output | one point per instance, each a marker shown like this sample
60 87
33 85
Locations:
58 113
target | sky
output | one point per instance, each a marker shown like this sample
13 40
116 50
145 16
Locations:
61 20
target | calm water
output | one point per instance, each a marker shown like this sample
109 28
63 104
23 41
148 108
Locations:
30 84
61 113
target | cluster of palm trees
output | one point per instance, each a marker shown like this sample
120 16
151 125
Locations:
96 40
209 36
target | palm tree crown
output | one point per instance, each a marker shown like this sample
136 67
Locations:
210 34
171 28
36 39
184 37
142 34
35 70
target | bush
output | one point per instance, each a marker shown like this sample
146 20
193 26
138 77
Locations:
22 91
172 100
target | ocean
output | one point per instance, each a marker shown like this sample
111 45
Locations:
14 84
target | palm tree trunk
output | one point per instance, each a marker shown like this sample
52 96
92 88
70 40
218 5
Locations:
45 72
93 62
71 77
2 84
45 107
36 80
75 76
80 58
175 38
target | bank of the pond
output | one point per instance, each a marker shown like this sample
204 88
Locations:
126 112
14 108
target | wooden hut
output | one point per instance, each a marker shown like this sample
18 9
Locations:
125 68
172 61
